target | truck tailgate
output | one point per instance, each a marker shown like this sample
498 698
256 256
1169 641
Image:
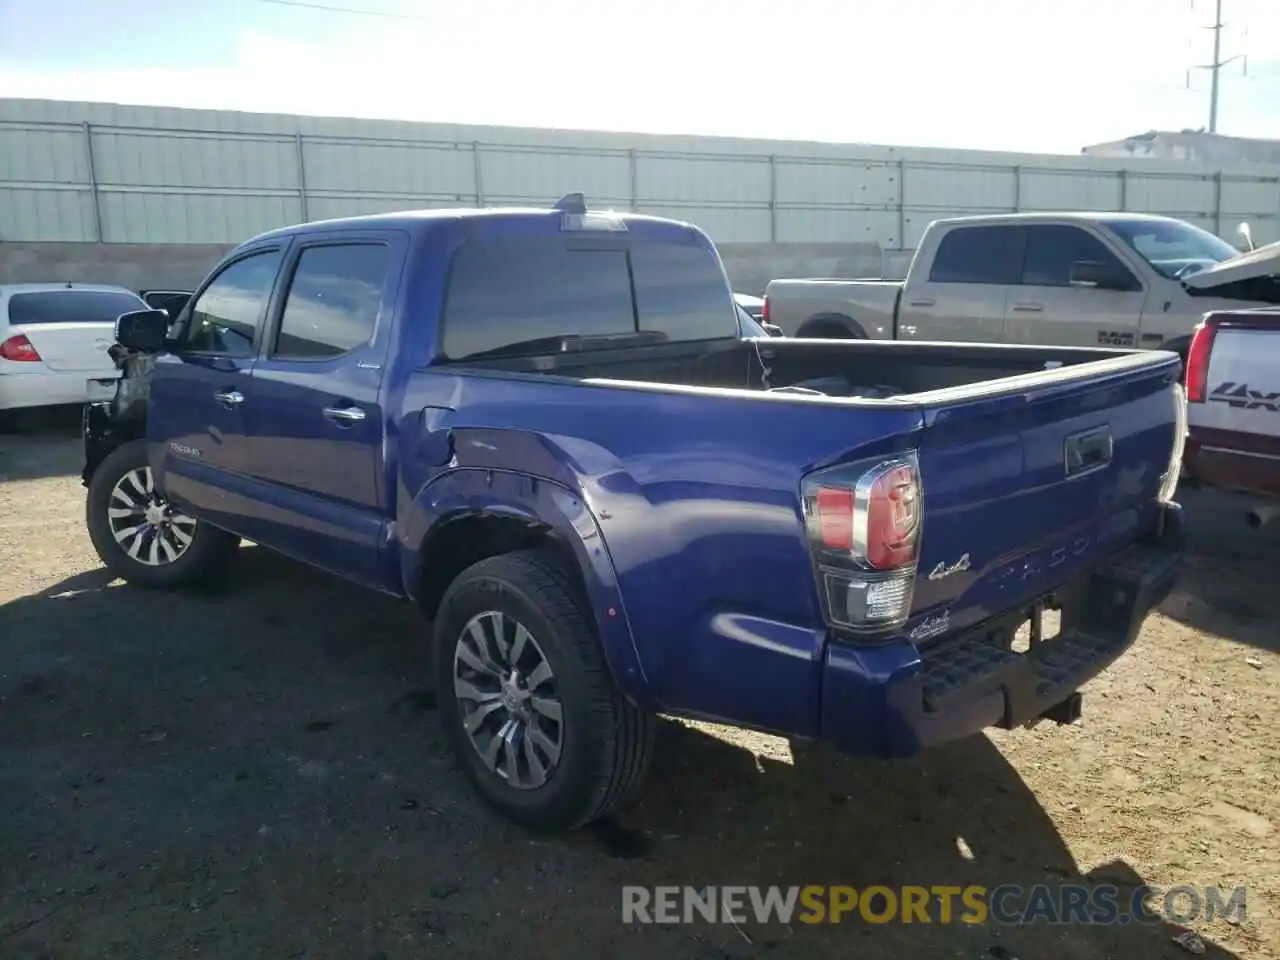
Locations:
1026 488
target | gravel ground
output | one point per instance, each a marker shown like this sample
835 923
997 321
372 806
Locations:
258 773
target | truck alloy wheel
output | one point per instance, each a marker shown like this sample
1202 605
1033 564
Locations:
507 699
147 528
144 539
526 698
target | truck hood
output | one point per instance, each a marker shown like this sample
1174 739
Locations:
1263 262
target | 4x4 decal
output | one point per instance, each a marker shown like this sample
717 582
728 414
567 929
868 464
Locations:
1243 397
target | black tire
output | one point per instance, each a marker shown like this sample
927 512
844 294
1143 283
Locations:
205 560
607 741
837 327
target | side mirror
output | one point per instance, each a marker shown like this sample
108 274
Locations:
772 329
143 331
1100 276
1245 231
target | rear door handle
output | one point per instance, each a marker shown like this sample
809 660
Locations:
1029 307
344 415
923 302
229 398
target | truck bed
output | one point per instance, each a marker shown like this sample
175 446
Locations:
866 369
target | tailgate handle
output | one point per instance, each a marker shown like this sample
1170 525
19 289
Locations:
1087 451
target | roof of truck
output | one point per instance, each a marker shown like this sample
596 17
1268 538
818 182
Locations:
414 220
1090 215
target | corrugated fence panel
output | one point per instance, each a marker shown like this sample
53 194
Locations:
171 175
825 184
948 188
46 214
702 179
1068 190
331 207
544 176
145 159
1246 198
159 217
1172 196
722 224
446 171
46 155
816 225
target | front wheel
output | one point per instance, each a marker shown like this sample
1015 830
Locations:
140 536
536 722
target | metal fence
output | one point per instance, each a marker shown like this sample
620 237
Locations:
136 183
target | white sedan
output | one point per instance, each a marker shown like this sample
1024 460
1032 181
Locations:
54 338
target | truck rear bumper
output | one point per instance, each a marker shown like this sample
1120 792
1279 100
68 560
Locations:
893 699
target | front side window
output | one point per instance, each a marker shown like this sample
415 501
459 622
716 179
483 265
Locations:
1053 249
226 317
333 301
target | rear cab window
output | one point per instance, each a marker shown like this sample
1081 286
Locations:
523 296
70 306
983 255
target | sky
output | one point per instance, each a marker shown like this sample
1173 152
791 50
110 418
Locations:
1026 75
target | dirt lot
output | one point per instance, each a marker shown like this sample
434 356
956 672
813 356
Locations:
259 774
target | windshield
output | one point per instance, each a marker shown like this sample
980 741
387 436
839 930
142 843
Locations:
1172 248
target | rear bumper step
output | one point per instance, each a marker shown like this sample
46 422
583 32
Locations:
894 699
1110 609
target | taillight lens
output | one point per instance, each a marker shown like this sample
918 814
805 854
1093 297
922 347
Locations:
19 349
864 533
764 311
1197 372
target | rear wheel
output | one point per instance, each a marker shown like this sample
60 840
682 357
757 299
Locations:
140 536
536 722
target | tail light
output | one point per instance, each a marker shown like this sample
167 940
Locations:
864 535
1169 482
764 310
19 349
1196 374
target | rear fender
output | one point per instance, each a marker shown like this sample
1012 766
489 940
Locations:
476 491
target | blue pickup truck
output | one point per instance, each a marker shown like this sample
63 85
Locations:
543 428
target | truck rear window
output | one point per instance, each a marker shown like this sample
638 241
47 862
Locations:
70 306
512 292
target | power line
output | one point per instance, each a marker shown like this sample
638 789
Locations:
1215 68
354 11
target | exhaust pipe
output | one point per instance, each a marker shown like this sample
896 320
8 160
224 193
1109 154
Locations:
1259 517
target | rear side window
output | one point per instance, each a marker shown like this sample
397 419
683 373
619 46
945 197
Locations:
1052 249
681 292
333 301
991 255
506 293
70 306
225 318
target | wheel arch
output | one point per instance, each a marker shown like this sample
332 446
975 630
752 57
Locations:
832 326
471 514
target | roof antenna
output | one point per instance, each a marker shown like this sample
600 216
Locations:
572 203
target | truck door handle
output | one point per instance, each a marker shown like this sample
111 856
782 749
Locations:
229 398
344 415
923 302
1029 307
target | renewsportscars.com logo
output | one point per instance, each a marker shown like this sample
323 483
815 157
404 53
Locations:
1009 904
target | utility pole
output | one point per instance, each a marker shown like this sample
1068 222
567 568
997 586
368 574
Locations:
1215 68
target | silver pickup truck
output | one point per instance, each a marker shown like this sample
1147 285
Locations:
1068 279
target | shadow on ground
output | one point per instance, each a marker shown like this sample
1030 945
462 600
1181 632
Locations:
1227 586
259 773
47 446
